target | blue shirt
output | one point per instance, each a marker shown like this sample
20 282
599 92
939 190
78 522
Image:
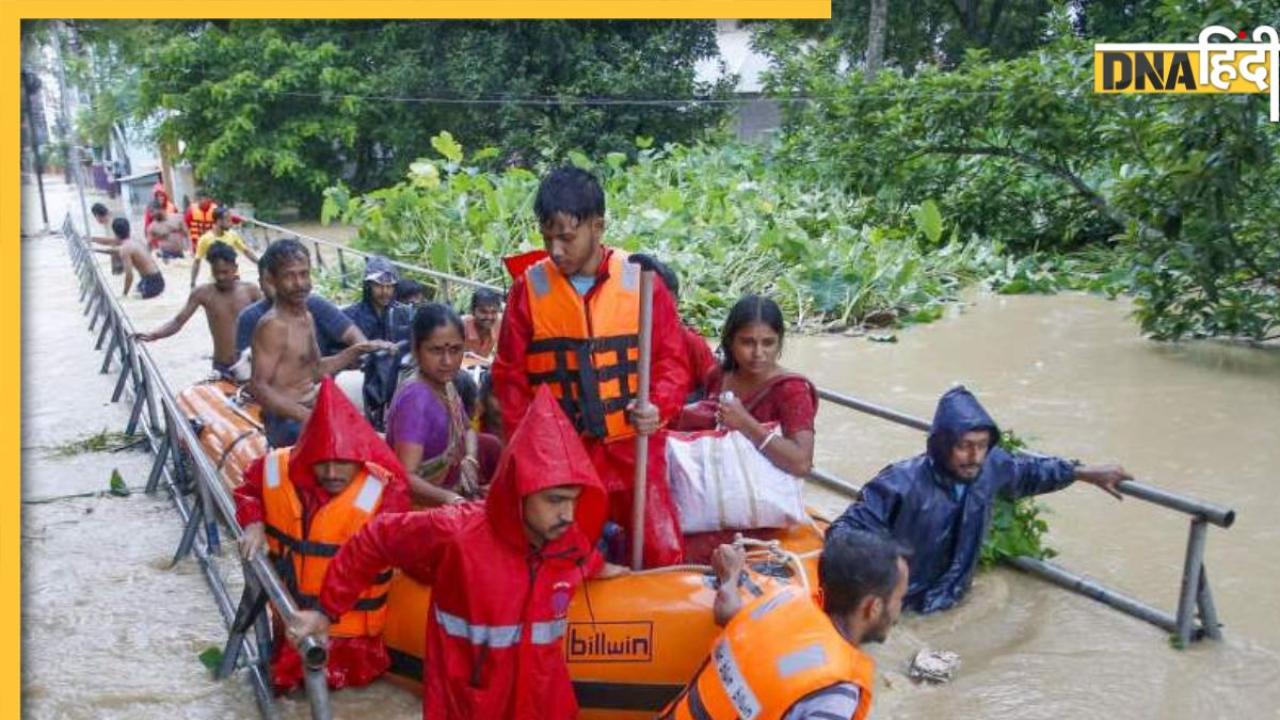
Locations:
583 283
330 323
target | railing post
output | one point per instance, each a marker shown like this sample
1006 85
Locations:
342 268
319 257
1191 581
1208 612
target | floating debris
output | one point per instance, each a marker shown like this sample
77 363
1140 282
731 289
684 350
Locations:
935 666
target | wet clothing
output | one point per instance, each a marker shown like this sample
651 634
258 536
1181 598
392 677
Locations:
921 504
281 431
837 701
335 431
330 323
496 623
151 285
615 461
228 237
394 322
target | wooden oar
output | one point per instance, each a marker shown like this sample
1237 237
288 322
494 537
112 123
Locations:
642 441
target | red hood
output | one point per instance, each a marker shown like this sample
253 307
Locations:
545 451
337 431
158 191
517 264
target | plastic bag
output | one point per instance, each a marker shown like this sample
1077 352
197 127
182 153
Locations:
720 481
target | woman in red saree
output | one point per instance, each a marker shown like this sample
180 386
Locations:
773 407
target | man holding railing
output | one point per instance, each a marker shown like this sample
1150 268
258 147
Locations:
939 503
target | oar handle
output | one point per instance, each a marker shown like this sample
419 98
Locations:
642 400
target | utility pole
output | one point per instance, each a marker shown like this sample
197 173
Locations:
30 86
73 145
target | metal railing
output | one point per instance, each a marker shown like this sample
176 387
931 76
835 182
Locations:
197 491
1195 594
442 283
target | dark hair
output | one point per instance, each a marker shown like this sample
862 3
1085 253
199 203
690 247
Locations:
749 309
158 206
406 289
569 190
220 212
222 252
467 392
484 297
430 316
856 564
664 271
280 252
120 227
99 210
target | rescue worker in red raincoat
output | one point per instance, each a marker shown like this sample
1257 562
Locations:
503 573
572 324
306 501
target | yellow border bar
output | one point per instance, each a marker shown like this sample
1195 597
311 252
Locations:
10 378
446 10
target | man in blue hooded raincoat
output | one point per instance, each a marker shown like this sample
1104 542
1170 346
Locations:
940 502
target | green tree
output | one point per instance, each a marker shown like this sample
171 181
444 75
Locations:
1022 151
274 112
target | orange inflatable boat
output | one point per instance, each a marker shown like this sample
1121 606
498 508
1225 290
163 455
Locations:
632 642
228 424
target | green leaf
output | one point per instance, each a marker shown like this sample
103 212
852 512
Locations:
118 488
644 142
447 146
211 657
929 221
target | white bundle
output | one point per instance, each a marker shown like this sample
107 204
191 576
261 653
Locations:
720 481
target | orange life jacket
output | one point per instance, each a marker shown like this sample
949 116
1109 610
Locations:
776 651
201 222
587 352
310 546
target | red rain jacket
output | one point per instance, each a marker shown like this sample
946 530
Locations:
336 430
614 461
495 626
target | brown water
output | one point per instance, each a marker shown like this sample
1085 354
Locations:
110 632
1070 372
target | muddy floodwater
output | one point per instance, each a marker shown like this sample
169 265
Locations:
110 631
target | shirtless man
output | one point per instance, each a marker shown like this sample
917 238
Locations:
167 233
102 216
136 256
222 300
287 366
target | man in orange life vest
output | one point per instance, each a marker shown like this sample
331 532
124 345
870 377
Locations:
199 217
785 657
572 324
303 504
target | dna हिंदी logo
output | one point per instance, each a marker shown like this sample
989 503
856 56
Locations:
1222 61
